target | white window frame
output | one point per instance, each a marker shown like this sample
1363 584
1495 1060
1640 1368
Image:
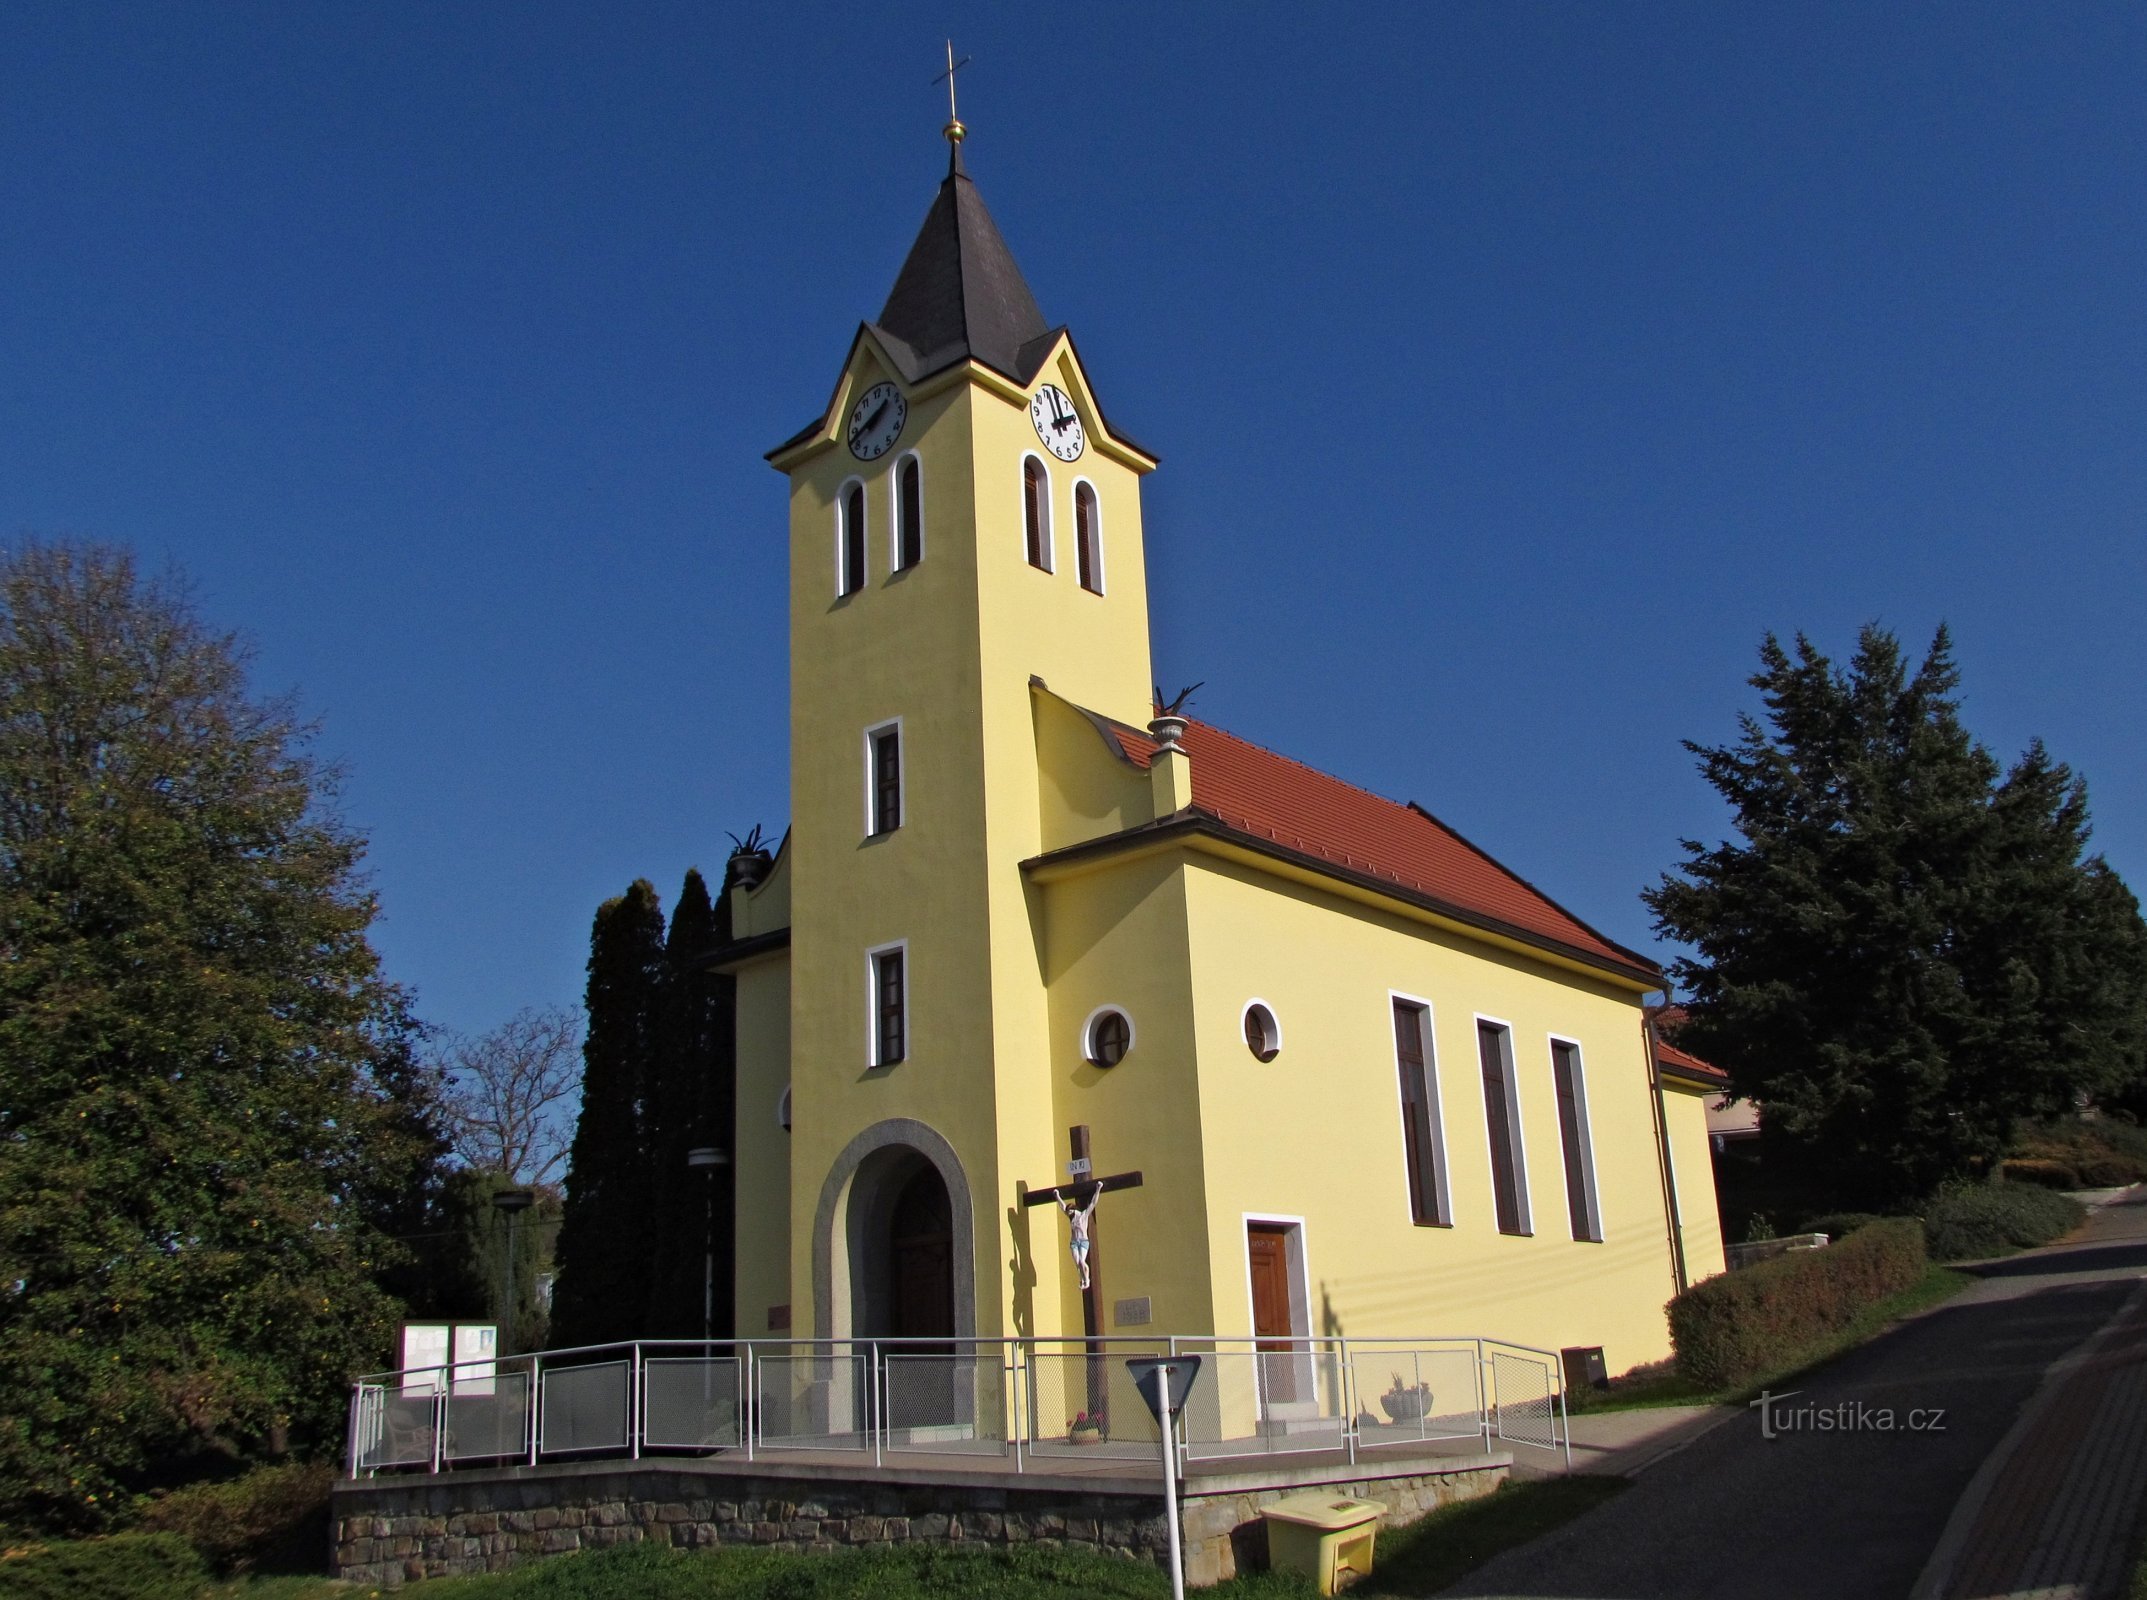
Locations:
782 1109
901 779
1272 1016
872 1004
864 534
1045 541
1297 1256
1509 1070
1095 554
1088 1027
1442 1186
1591 1190
894 513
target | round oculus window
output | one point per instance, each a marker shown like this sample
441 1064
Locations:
782 1110
1263 1036
1110 1036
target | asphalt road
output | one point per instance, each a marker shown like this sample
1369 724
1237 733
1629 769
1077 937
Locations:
1843 1515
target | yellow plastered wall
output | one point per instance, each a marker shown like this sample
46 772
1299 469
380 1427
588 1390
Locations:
1116 937
949 647
1692 1163
1316 1133
762 1277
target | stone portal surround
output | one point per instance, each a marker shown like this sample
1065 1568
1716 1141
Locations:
390 1531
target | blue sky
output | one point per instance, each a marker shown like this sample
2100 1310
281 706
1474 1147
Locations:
440 343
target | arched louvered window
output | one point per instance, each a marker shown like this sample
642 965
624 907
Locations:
1088 539
909 513
1036 511
850 540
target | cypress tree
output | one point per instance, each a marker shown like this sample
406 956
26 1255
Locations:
605 1237
689 1107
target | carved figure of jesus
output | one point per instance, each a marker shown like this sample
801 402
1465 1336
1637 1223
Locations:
1077 1217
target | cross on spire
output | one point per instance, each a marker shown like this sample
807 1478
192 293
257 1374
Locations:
954 129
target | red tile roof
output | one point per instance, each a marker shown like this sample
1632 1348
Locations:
1668 1019
1269 796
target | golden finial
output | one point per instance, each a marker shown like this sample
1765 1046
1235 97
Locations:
954 130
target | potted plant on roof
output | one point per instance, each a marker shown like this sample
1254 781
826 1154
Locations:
1406 1402
1086 1428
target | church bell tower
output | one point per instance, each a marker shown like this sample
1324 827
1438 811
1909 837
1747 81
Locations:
963 519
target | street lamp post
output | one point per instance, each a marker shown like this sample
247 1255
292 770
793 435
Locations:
511 1203
706 1159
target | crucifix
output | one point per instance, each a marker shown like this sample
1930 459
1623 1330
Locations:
1077 1198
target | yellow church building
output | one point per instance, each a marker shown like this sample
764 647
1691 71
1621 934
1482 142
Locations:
1373 1083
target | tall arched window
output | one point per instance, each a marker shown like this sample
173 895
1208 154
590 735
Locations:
1088 539
1036 511
909 513
850 540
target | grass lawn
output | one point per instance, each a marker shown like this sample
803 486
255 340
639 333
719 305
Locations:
1417 1560
1938 1285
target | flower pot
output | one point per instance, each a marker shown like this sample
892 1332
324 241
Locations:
1085 1436
1402 1405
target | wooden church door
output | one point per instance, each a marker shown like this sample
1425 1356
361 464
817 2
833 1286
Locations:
923 1259
1267 1246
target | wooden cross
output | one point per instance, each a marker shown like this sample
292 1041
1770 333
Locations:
1082 1190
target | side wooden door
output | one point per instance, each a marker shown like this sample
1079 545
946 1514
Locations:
1267 1246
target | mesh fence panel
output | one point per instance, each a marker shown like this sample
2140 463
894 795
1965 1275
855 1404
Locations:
394 1430
1407 1396
943 1403
690 1403
490 1420
1064 1384
1522 1389
814 1401
584 1408
1255 1402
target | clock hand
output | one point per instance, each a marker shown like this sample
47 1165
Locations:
878 412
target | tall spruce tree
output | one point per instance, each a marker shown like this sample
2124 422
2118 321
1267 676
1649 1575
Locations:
1907 947
606 1240
689 1107
211 1119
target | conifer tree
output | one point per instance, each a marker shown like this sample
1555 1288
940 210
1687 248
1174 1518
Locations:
605 1238
689 1107
1907 948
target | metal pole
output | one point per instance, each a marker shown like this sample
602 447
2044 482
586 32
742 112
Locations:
1164 1374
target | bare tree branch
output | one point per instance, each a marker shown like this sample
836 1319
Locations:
510 1093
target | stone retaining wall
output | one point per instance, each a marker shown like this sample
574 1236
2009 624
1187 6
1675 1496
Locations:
390 1531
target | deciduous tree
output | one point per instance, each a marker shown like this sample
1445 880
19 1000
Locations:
211 1115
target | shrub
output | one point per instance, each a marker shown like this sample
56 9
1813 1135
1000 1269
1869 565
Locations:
2044 1173
2105 1152
127 1566
270 1513
2108 1172
1986 1219
1840 1224
1745 1323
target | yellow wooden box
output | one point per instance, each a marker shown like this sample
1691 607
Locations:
1328 1537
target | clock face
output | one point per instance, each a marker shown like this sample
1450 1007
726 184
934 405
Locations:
1057 423
876 421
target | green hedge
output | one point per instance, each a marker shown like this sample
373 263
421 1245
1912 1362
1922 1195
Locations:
275 1516
1762 1318
127 1566
1988 1219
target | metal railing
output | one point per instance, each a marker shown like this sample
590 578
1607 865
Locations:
1040 1403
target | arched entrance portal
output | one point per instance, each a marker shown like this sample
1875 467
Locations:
894 1239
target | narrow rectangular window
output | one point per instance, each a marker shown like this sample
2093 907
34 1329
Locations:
885 745
909 498
853 539
890 1007
1036 512
1421 1141
1087 550
1573 1137
1502 1121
